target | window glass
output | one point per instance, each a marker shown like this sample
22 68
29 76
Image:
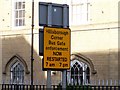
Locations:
79 73
17 73
19 13
79 12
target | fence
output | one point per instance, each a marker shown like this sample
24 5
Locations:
25 87
57 87
99 83
56 82
93 85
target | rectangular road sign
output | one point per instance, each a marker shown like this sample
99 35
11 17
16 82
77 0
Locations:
56 48
56 12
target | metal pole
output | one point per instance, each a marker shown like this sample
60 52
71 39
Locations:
48 79
32 41
49 24
64 80
64 72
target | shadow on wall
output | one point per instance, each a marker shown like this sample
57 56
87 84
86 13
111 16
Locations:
19 46
105 63
119 64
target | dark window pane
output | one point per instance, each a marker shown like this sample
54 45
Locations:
20 22
23 13
16 14
76 70
74 65
23 5
16 22
20 13
87 71
16 5
81 71
17 73
19 5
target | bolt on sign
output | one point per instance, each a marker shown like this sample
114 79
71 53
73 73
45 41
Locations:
56 48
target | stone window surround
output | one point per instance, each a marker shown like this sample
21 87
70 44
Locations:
13 60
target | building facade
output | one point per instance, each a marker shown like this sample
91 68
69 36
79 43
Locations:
94 42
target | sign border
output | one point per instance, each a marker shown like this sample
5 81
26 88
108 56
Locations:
55 69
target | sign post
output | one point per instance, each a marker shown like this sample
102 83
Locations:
49 24
64 72
56 48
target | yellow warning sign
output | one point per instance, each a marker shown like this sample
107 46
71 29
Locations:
56 48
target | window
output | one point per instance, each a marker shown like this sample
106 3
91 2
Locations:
79 73
80 12
17 73
19 13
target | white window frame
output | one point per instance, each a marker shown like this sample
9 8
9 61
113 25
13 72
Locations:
84 68
80 16
14 25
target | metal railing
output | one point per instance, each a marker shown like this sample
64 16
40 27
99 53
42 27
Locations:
56 87
25 87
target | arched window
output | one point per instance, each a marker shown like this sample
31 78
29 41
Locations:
17 73
17 68
79 73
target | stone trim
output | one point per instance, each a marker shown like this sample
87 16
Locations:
85 60
12 60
